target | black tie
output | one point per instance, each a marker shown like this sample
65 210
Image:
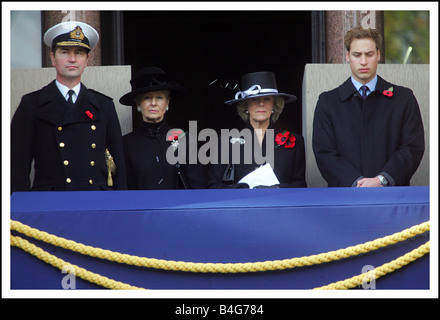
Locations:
70 100
364 92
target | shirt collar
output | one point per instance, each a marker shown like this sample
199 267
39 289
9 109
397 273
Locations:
64 90
371 85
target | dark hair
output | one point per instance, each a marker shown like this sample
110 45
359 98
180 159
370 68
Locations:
361 33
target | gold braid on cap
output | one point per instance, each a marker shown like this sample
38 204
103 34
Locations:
77 33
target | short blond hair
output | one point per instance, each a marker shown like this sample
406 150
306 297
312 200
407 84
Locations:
278 107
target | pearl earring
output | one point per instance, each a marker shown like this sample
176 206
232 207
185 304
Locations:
167 108
139 109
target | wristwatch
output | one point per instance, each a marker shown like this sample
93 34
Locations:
383 180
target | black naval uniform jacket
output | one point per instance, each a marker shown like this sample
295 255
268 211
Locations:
67 142
355 138
289 164
147 166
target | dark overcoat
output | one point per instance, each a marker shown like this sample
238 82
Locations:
147 165
355 138
289 163
67 143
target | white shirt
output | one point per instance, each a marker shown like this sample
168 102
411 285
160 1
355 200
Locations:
65 90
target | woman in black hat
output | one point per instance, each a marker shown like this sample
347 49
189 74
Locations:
259 105
147 161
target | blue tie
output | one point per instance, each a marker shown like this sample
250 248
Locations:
364 92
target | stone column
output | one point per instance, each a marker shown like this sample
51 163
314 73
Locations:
339 22
51 18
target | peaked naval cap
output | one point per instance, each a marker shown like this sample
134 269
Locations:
147 80
259 84
71 34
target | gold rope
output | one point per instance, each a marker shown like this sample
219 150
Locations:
60 264
379 271
221 267
111 284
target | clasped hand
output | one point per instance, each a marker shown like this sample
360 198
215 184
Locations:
369 182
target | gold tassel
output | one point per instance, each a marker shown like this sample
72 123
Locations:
110 178
111 167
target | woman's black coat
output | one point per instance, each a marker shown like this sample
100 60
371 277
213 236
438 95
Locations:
289 164
147 166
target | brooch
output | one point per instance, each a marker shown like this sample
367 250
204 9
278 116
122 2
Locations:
240 140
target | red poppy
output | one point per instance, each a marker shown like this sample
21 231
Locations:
174 135
89 114
290 143
389 92
286 139
281 138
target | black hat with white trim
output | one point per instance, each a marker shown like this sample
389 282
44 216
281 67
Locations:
259 84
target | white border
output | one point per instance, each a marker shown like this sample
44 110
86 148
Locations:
202 294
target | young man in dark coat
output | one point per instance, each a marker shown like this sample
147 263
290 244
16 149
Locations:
71 133
372 139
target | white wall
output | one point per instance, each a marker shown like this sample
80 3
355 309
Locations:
26 39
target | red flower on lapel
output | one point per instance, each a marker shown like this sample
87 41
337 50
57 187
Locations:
89 114
285 139
388 93
175 134
281 138
290 143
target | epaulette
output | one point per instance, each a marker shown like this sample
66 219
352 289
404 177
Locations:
100 93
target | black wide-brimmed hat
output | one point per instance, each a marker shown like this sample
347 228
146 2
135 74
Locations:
150 79
259 84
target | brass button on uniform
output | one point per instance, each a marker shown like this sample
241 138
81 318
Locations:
62 144
92 163
68 180
60 128
93 145
66 162
90 181
93 127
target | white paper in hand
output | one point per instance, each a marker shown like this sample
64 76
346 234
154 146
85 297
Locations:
262 176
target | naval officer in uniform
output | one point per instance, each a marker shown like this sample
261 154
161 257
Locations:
72 133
